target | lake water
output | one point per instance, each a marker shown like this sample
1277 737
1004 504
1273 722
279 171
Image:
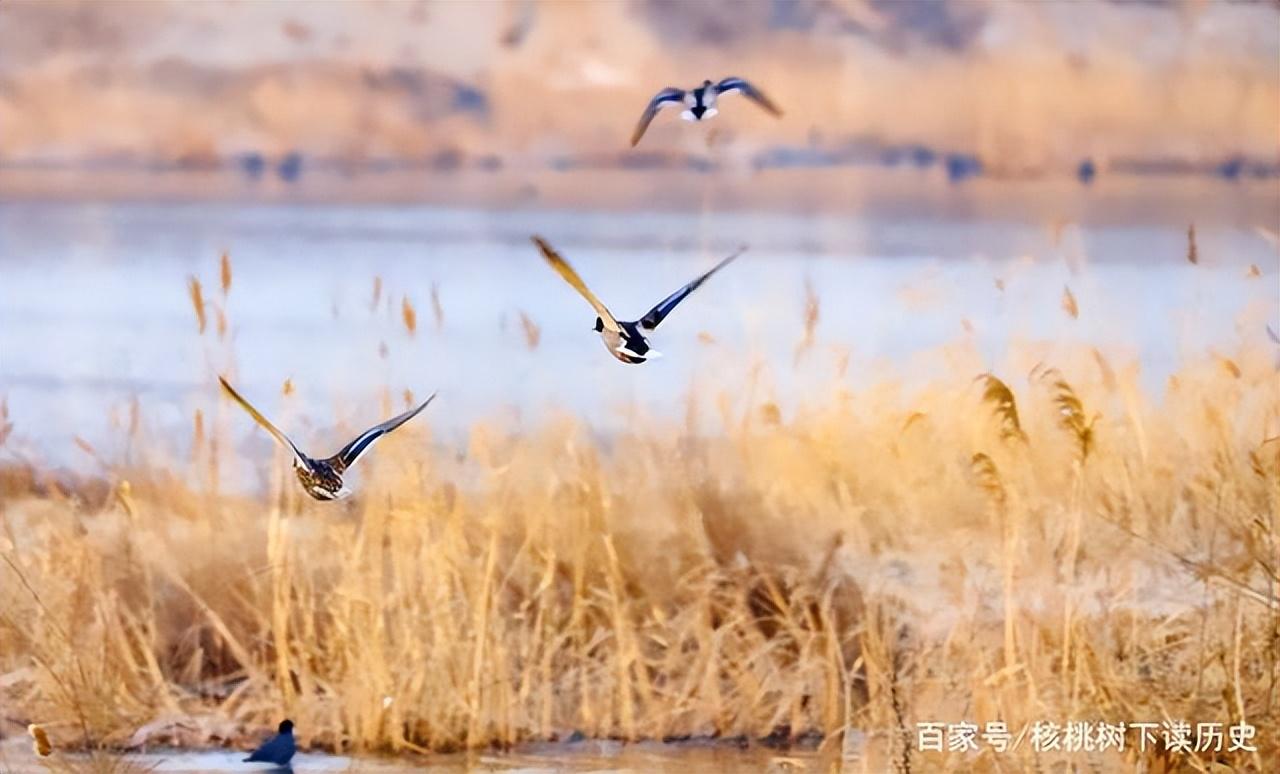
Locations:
95 310
601 757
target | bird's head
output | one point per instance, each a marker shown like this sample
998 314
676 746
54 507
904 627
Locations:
599 326
705 84
286 726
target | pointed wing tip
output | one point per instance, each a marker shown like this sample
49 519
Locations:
730 257
751 92
642 126
227 388
567 272
767 104
547 250
551 255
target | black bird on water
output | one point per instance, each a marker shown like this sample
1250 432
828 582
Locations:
279 749
699 102
322 479
625 340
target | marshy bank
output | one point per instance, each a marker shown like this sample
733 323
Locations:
1046 548
907 472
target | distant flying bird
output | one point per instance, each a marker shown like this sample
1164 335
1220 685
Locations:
279 749
323 478
625 340
699 102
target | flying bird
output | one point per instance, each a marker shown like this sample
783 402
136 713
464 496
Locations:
699 102
322 478
625 340
279 749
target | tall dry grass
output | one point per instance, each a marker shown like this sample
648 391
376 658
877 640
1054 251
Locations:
1053 544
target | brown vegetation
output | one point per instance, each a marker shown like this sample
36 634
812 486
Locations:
843 570
1055 546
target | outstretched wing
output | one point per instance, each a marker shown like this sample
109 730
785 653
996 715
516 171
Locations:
257 417
664 97
352 451
748 91
664 307
565 270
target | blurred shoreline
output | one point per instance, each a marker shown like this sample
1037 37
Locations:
1204 197
992 89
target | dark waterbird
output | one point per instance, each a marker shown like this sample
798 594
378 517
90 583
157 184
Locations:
322 478
626 340
699 102
279 749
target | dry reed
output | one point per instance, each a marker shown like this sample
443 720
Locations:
850 565
409 315
437 309
6 427
225 273
532 332
197 302
1069 304
998 395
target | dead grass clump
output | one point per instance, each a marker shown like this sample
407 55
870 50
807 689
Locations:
868 564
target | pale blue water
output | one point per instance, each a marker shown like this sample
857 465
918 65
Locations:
597 756
94 309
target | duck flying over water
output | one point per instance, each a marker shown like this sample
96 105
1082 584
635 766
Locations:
699 102
322 478
279 749
626 340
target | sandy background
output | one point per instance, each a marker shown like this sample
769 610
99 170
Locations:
1029 88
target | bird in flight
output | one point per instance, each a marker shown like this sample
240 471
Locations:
279 749
322 478
626 340
699 102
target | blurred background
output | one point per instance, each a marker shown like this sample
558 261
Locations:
278 90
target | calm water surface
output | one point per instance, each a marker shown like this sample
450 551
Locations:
95 310
602 757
